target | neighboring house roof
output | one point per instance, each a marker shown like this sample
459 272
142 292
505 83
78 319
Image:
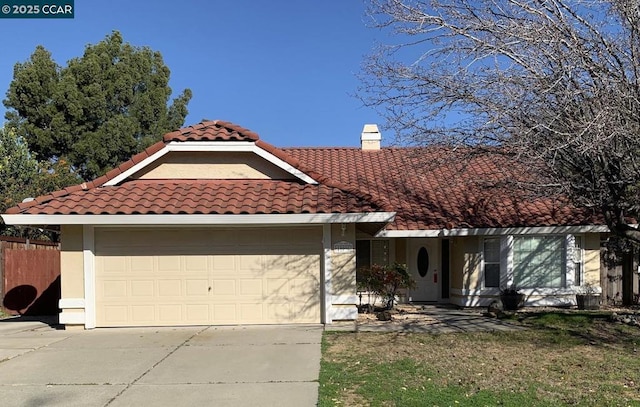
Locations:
466 192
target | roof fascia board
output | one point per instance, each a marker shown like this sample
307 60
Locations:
409 233
199 219
147 161
534 230
209 146
284 165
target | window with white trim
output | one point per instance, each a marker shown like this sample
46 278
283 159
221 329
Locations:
370 252
491 262
576 258
539 261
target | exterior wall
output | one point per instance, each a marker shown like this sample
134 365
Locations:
464 267
592 259
343 277
71 275
213 165
467 279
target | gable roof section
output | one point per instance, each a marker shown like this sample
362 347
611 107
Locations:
430 191
206 136
114 193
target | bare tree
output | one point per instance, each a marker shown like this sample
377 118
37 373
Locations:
554 83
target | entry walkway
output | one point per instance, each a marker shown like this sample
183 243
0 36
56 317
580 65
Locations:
428 319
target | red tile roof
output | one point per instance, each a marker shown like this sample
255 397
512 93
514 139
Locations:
205 197
454 194
429 192
191 196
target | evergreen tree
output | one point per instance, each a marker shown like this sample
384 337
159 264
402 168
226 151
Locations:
99 110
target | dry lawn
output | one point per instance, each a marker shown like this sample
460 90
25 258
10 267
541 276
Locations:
562 359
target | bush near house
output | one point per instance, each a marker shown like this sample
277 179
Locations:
384 282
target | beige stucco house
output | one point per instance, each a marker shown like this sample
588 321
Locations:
212 225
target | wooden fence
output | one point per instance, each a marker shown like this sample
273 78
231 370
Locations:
29 276
611 281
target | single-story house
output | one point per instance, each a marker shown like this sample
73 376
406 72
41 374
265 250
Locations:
212 225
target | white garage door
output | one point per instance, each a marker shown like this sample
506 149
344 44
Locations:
152 277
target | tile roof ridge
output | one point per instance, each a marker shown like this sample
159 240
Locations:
243 133
323 148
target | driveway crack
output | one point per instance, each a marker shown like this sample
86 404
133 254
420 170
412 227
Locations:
155 364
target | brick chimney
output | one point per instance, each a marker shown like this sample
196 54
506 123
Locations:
371 137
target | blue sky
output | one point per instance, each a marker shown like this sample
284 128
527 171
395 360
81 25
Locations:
282 68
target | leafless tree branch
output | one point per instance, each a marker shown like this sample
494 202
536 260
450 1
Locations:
553 83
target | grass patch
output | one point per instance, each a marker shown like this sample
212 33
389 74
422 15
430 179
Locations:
562 359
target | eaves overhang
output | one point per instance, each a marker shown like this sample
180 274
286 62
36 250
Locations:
199 219
532 230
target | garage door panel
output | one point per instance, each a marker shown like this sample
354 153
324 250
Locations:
279 312
143 314
225 287
197 313
142 288
278 287
252 313
250 287
113 264
250 264
197 287
112 314
113 289
169 264
225 313
170 313
205 280
224 262
196 263
141 263
170 288
304 312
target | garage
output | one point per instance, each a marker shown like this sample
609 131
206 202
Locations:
203 276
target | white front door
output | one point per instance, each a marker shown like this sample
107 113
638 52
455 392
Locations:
424 266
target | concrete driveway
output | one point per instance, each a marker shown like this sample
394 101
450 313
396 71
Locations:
187 366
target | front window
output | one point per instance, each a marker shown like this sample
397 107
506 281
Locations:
539 261
577 260
370 252
491 258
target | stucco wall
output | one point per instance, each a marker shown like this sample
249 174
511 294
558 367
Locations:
71 262
213 165
465 263
592 258
343 276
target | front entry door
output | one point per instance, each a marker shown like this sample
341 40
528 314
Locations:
424 266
